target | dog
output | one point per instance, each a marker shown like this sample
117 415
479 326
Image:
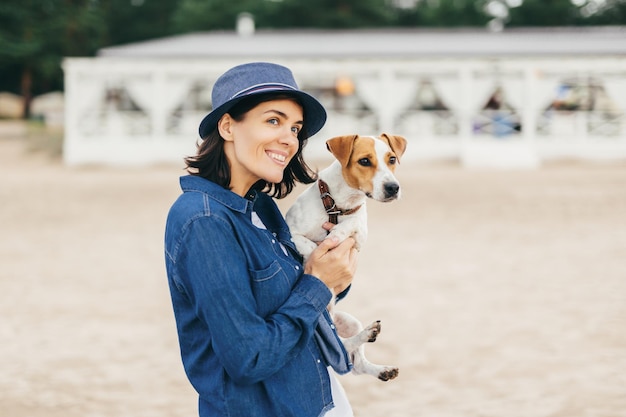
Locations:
364 168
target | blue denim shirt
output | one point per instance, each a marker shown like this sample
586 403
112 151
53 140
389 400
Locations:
246 314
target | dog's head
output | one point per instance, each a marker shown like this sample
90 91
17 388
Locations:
368 163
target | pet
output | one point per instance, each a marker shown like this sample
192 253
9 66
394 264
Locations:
364 168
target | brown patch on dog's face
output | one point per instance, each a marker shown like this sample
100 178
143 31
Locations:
357 155
362 165
396 143
341 147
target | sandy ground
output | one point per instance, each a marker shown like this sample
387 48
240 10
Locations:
502 293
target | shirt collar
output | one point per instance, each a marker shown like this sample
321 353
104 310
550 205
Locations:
224 196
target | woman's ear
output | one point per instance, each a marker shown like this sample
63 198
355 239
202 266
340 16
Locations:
224 127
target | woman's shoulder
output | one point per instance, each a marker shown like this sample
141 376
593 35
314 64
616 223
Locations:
196 201
195 204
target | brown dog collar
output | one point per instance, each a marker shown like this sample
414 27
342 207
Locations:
329 204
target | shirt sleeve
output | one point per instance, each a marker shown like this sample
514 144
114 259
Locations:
213 272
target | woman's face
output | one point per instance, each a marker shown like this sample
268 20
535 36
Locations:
261 145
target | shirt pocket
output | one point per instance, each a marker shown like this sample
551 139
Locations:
270 287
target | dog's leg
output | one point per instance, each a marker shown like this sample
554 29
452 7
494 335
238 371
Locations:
350 227
363 366
354 336
352 332
304 245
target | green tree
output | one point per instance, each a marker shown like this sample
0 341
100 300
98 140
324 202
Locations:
200 15
443 13
544 13
36 35
331 14
610 12
137 20
194 15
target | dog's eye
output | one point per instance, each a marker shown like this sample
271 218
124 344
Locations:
364 162
392 160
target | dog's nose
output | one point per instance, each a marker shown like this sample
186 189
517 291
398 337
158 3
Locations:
391 189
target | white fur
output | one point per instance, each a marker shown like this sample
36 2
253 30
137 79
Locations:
307 215
383 173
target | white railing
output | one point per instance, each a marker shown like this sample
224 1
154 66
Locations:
121 111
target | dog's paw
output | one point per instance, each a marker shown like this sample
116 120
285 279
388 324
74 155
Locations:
388 374
372 331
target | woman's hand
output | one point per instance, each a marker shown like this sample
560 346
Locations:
333 263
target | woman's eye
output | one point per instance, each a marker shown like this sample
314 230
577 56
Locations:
364 162
273 121
392 160
295 129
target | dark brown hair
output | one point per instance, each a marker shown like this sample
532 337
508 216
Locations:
210 161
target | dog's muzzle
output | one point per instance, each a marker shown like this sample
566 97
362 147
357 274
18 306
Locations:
391 190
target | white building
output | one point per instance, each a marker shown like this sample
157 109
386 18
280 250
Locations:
514 98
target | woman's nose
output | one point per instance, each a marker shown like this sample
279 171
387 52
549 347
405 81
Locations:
289 138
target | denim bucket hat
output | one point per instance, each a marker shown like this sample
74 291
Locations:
256 78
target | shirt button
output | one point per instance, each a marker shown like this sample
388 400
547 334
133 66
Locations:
273 241
332 326
297 267
319 361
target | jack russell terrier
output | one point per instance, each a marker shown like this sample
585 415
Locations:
363 168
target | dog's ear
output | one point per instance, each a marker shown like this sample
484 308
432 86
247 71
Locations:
341 147
396 143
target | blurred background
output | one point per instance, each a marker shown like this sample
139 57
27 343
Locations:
499 277
110 76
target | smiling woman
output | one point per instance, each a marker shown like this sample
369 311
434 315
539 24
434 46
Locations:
260 143
254 333
267 110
